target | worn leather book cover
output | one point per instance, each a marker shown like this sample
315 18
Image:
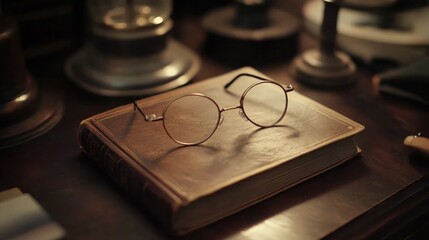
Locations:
187 187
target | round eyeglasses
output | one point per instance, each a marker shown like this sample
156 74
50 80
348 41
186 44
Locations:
193 118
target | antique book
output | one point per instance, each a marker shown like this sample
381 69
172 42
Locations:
187 187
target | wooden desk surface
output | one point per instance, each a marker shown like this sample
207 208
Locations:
383 192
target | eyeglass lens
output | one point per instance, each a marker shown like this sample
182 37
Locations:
191 119
265 104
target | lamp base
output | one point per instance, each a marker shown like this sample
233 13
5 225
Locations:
115 76
28 116
324 70
406 40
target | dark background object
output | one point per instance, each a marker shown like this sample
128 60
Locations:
377 5
251 15
126 59
410 81
250 33
14 75
381 34
325 67
25 110
47 26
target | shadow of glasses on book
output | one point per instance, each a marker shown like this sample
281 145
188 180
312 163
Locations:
242 142
281 133
203 149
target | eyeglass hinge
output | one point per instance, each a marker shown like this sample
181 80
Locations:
153 117
289 88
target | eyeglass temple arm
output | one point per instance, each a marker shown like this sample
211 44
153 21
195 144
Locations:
241 75
287 88
148 118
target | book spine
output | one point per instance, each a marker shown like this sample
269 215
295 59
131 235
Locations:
124 175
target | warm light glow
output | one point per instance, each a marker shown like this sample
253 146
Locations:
171 71
252 2
157 20
5 34
145 10
264 230
119 17
22 98
141 21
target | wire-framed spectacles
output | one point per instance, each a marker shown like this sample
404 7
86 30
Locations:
193 118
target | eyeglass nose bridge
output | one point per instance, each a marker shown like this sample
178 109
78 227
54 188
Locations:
241 112
230 108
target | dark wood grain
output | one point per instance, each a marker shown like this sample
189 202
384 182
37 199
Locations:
381 193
